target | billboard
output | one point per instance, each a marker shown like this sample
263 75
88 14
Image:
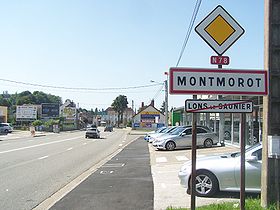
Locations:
50 110
69 113
26 113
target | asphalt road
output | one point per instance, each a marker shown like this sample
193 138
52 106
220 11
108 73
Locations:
34 168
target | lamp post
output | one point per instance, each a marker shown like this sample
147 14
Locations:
166 102
165 83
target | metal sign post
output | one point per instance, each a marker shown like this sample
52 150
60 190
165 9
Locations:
242 162
193 175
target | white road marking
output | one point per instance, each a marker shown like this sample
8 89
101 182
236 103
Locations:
85 143
30 140
120 145
44 157
163 185
161 159
181 158
69 148
201 155
38 145
164 172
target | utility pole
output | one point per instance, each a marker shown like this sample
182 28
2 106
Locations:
271 107
166 102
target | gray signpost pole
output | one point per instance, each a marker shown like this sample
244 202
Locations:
193 175
242 162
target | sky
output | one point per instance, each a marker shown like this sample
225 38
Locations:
91 51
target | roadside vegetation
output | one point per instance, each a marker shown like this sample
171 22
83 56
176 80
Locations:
250 204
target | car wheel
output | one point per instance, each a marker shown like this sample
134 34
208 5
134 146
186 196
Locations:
227 135
206 184
170 146
6 131
208 143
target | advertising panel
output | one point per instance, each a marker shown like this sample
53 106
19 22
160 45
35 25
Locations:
69 113
50 110
26 113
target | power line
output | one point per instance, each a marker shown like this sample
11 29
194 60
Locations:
158 92
80 88
194 15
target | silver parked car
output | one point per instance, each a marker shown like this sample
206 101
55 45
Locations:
6 128
182 138
222 172
164 132
159 130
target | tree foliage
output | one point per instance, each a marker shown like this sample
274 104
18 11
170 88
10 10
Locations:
26 97
119 105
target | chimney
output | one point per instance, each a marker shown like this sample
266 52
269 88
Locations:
142 104
152 102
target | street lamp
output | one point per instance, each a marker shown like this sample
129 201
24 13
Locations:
166 99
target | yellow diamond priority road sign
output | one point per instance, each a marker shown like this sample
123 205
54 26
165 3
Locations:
219 30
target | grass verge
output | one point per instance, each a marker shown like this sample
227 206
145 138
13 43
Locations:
250 204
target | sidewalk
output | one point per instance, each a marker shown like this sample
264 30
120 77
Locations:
124 182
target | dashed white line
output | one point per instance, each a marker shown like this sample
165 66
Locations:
181 158
161 159
44 157
163 185
85 143
38 145
120 145
69 148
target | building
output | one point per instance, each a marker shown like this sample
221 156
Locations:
111 116
148 117
3 114
232 121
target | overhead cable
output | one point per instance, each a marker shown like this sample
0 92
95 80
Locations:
79 88
194 15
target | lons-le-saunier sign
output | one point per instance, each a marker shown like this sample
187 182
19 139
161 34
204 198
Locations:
218 81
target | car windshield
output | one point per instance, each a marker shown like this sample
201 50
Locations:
237 154
161 130
177 131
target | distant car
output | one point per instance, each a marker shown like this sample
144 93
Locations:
108 128
182 138
92 133
222 172
6 128
164 132
159 130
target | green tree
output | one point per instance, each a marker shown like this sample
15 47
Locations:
119 105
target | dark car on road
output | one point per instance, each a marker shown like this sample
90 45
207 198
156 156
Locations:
93 133
108 128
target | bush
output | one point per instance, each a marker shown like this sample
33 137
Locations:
37 123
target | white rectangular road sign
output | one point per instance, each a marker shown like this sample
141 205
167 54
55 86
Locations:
218 81
218 106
